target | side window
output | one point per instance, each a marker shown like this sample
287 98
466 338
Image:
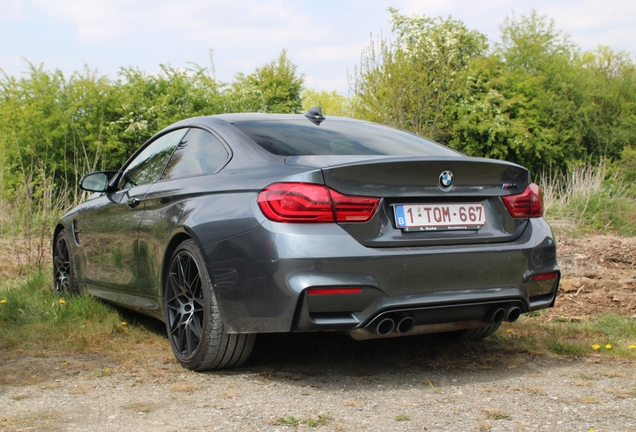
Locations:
199 152
147 167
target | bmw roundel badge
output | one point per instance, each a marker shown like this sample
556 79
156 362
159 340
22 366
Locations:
446 179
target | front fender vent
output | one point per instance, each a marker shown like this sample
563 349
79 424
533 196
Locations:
76 231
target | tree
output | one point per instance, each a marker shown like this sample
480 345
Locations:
54 129
532 43
51 125
538 101
274 88
148 103
332 103
411 82
609 115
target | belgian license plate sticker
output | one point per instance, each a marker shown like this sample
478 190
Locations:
439 217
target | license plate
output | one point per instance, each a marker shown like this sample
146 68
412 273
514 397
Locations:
439 217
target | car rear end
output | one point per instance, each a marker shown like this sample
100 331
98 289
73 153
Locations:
386 245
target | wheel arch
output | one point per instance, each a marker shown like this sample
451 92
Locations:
72 270
58 228
215 347
174 242
183 233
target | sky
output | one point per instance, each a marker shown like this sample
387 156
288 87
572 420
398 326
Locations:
323 37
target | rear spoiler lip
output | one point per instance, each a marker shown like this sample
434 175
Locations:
328 161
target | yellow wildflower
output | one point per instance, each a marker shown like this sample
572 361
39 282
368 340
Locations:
632 346
608 346
3 301
64 363
62 301
107 371
123 323
596 347
509 330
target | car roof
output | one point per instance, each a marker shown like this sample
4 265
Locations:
272 117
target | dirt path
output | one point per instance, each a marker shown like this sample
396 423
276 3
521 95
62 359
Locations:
599 276
520 393
330 382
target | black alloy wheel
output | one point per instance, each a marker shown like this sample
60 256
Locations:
195 329
185 305
63 272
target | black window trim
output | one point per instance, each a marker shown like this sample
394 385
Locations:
228 150
115 180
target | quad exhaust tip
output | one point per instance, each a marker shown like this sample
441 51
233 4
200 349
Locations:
406 325
513 313
403 325
498 315
390 325
385 327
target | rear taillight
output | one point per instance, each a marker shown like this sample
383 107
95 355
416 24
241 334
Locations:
528 204
296 202
352 208
308 202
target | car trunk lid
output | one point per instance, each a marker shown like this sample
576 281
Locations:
448 184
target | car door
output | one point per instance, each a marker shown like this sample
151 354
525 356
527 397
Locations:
108 231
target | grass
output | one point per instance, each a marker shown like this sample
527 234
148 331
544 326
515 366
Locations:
611 335
496 415
34 319
321 420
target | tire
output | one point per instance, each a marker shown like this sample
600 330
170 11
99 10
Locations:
197 335
64 278
477 333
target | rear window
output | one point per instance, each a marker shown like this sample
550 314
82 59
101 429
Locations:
301 137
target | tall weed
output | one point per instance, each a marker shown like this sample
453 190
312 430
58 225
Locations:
588 198
26 222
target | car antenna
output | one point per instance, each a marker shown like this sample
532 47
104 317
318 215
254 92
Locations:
315 115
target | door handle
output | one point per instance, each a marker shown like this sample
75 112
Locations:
133 202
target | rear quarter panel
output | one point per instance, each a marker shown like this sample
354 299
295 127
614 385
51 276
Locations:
209 209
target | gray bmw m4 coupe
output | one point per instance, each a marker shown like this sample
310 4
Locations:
232 225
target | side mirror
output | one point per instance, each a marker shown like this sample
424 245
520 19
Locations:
97 181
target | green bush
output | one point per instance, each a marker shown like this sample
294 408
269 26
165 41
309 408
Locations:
625 168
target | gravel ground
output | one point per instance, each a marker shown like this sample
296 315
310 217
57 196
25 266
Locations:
372 387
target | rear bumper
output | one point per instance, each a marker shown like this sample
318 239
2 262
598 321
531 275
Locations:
261 278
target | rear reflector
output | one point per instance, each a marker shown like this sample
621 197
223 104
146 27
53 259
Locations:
545 276
308 202
528 204
331 291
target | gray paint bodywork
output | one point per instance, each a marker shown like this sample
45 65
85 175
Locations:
261 269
